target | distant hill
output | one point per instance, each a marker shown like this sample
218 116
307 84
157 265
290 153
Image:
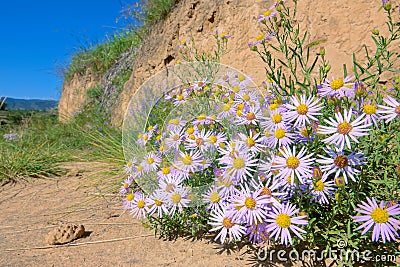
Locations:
30 104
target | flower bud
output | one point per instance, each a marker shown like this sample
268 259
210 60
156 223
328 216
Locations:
253 48
322 51
375 32
340 182
387 6
317 173
327 68
278 8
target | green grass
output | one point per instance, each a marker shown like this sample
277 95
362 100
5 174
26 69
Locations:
99 58
155 10
44 144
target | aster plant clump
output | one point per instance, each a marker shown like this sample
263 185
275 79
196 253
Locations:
307 159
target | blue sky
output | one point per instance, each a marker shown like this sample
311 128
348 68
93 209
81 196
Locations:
38 36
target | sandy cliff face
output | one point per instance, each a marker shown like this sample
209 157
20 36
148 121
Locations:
74 94
346 25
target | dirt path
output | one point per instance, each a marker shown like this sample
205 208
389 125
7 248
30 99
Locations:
30 210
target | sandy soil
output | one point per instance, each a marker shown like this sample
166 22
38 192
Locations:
85 196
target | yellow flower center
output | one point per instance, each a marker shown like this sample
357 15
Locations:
202 117
337 84
145 137
260 37
250 203
141 204
369 109
238 163
344 128
176 137
187 160
212 139
267 13
176 198
280 133
227 222
130 197
250 141
283 220
240 106
302 109
158 202
235 89
226 107
190 131
150 160
241 78
246 97
214 197
380 215
250 116
319 186
165 170
161 148
179 97
276 118
174 121
125 185
139 168
129 164
292 162
273 106
341 161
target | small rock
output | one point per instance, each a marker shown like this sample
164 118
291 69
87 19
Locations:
65 234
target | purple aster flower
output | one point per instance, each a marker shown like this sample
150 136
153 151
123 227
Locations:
391 112
338 88
178 199
267 15
262 38
157 203
322 190
293 165
379 216
281 221
223 221
139 206
341 164
343 130
250 207
258 233
214 199
303 110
